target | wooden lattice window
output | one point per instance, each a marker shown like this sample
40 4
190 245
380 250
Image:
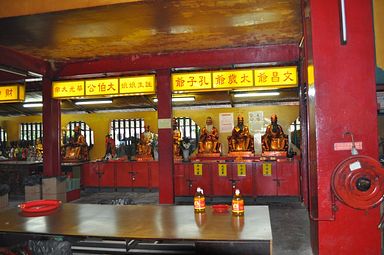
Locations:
31 131
123 129
188 128
86 131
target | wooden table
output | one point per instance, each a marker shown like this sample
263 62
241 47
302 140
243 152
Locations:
155 222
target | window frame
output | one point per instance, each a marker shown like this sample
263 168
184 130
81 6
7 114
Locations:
85 130
31 131
126 128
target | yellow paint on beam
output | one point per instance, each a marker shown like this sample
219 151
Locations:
378 9
12 8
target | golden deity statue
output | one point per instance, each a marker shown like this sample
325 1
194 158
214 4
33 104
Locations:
209 138
39 149
144 147
274 138
241 139
176 138
77 148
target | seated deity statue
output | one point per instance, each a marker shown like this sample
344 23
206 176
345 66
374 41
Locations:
77 148
39 149
144 147
176 138
209 138
241 139
274 138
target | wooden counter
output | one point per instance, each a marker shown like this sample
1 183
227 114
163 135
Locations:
140 222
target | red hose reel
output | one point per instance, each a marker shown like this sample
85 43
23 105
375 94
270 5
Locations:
358 182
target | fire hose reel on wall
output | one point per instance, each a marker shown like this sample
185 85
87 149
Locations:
358 182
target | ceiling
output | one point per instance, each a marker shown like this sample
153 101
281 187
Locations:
70 33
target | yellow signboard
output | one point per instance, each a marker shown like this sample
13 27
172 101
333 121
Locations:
198 169
241 170
311 74
222 169
232 79
102 87
276 76
191 81
137 85
267 169
11 93
65 89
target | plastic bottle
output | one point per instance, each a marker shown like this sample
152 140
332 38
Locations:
199 201
237 204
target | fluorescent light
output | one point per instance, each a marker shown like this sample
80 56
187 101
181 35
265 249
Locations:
32 105
183 99
179 99
104 101
257 94
33 79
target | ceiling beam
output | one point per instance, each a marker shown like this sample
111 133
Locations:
16 60
288 53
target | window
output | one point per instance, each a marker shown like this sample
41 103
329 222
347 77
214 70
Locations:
3 135
31 131
188 128
3 139
295 132
86 131
122 129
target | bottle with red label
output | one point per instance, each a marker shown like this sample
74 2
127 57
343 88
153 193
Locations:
199 201
237 204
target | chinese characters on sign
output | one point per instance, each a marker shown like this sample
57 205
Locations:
267 169
191 81
241 170
222 169
142 84
65 89
277 76
235 79
198 169
12 93
102 87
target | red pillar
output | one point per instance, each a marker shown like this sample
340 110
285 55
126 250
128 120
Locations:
342 98
164 113
51 131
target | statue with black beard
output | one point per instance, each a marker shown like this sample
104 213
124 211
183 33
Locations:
241 139
274 138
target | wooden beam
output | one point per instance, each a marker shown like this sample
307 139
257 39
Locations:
16 60
288 53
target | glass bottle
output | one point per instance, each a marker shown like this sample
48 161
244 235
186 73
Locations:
237 204
199 201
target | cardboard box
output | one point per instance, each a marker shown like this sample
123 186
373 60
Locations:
3 201
33 192
54 188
